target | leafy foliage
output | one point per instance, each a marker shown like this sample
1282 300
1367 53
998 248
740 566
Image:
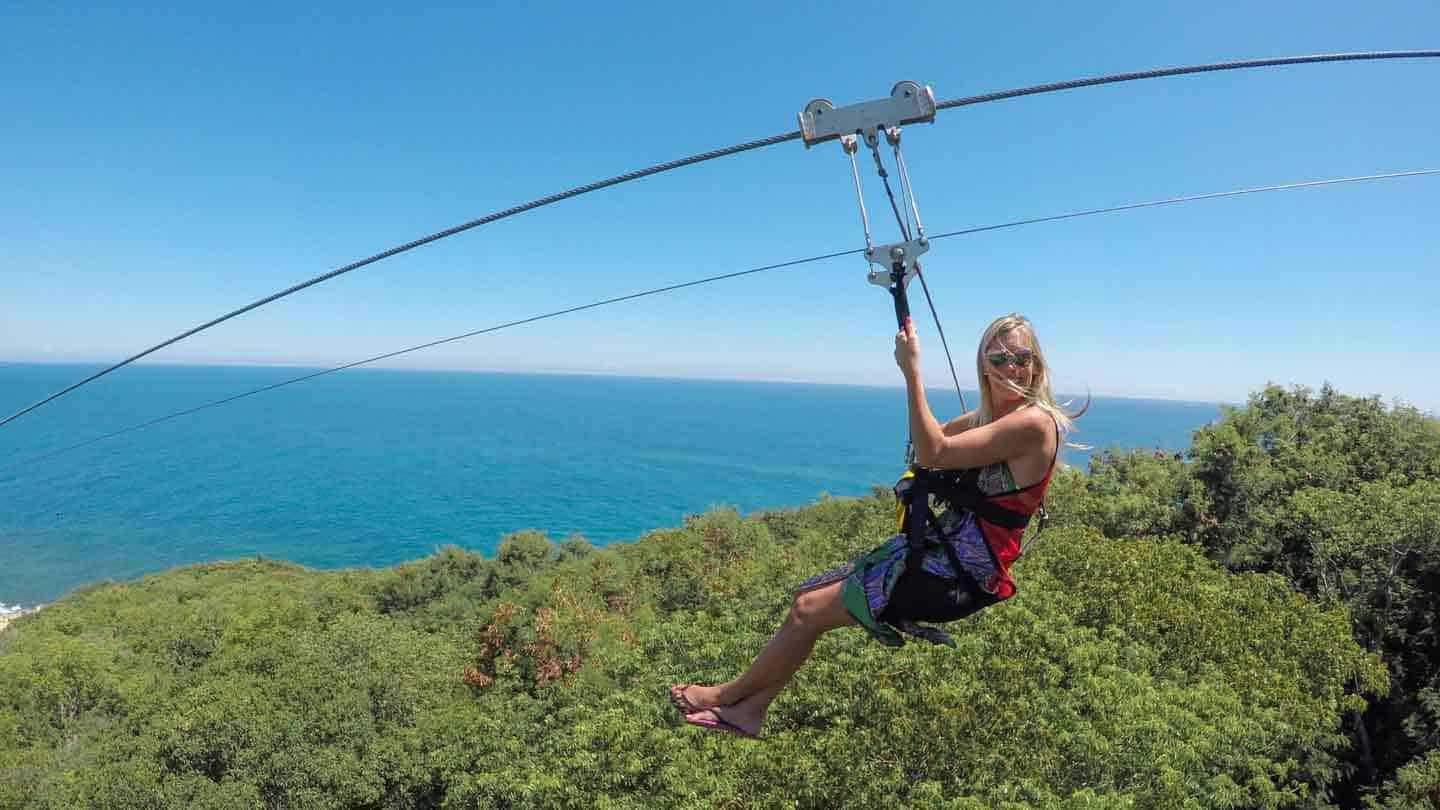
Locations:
1341 495
1129 494
1417 785
1251 462
1128 674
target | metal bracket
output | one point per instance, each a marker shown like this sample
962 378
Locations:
885 256
909 103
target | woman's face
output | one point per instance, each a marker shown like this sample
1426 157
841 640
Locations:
1015 354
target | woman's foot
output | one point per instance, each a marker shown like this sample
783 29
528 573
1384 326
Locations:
691 698
745 718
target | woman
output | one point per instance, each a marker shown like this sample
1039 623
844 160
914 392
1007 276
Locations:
1004 454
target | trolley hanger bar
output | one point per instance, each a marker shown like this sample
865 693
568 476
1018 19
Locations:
909 103
894 263
704 156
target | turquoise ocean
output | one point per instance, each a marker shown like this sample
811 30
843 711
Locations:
371 467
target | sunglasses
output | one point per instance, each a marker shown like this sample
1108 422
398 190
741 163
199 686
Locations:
1019 359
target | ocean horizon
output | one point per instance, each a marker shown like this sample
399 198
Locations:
372 467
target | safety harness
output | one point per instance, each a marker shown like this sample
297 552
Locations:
956 489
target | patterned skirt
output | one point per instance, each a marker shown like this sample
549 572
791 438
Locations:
884 600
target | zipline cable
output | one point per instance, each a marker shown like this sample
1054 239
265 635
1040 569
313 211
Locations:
1159 73
698 282
1189 198
486 330
485 220
718 153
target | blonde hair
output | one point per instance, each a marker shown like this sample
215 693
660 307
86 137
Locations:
1038 393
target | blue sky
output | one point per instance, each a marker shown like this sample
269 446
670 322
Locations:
164 165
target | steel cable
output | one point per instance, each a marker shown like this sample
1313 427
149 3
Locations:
707 280
1190 198
475 223
718 153
496 328
1182 71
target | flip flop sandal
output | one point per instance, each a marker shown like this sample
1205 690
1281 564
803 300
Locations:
721 724
681 703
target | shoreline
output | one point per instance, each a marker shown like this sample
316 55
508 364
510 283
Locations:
9 615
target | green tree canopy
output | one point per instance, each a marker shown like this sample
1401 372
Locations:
1125 674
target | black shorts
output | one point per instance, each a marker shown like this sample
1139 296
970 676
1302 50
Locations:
920 596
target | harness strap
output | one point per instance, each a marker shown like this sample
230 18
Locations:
913 492
950 488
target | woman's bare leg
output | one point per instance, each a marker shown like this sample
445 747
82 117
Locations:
813 613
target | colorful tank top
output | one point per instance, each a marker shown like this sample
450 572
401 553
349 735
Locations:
983 549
